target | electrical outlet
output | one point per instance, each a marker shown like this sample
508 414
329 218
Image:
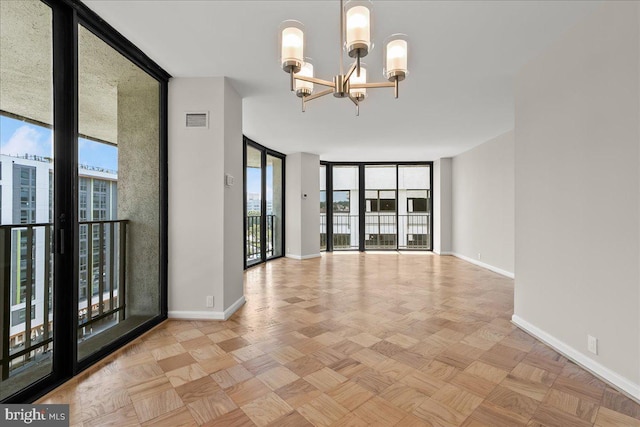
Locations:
209 301
479 256
592 344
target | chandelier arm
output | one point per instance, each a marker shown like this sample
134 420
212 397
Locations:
315 80
317 95
351 70
372 85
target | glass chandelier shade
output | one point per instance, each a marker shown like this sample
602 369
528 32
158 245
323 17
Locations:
358 27
304 88
395 57
292 45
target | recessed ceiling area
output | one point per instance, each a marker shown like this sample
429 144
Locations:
463 56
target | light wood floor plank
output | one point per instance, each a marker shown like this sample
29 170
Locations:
349 340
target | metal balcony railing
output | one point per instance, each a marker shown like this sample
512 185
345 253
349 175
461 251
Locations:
345 231
26 285
323 231
253 242
382 231
106 286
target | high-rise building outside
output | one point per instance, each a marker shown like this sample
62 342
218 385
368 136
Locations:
26 197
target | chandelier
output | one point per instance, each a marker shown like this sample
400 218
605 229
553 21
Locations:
355 39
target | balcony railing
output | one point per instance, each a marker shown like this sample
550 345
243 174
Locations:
323 231
26 268
253 242
382 231
105 287
345 231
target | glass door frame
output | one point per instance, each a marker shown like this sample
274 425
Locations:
264 152
362 200
67 15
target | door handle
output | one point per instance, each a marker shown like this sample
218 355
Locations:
63 219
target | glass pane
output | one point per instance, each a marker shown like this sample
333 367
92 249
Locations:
274 206
414 207
341 201
323 208
345 207
26 193
381 207
254 204
118 195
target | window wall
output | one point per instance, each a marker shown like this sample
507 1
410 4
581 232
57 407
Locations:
382 206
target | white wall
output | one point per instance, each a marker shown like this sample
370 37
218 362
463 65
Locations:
483 204
442 206
293 206
302 215
204 236
577 202
233 198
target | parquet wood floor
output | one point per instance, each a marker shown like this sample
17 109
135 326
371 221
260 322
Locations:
349 340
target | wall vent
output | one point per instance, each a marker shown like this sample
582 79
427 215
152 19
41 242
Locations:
197 120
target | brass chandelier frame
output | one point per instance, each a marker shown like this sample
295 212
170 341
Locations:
341 85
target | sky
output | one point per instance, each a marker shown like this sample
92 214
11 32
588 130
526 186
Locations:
20 138
254 181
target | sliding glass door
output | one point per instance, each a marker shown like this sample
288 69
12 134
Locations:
82 194
381 212
273 195
118 195
414 207
345 207
253 206
264 203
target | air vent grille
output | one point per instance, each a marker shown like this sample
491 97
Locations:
197 120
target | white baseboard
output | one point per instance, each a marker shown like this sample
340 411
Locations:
207 315
618 381
483 265
234 307
292 256
443 253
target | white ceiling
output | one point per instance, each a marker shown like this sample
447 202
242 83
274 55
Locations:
459 93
